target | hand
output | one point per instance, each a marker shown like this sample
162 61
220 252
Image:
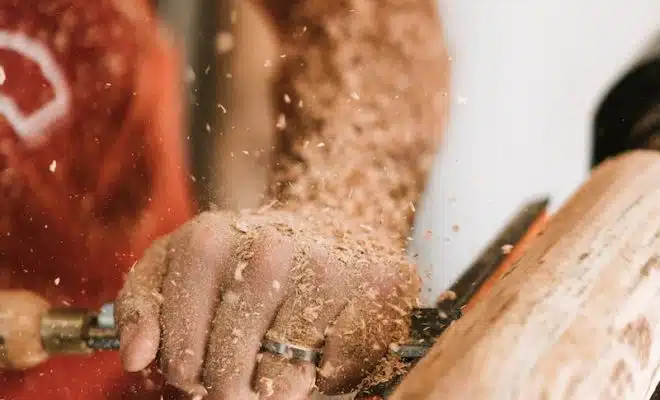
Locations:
20 322
206 296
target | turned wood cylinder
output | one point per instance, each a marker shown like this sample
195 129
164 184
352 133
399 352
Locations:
578 315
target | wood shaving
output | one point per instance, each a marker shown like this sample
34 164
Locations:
281 121
158 296
389 367
224 42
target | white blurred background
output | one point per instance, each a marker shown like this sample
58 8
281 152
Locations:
527 77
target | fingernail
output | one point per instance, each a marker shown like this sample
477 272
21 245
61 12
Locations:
129 348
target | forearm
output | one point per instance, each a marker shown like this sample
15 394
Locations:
361 99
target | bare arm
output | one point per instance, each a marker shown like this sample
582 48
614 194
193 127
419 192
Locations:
361 98
359 106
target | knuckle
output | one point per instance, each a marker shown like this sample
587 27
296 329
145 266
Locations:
399 279
210 219
330 269
203 223
271 240
380 278
208 225
206 235
272 253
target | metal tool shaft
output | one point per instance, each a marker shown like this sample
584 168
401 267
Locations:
79 331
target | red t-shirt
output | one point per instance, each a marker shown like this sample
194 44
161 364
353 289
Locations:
92 168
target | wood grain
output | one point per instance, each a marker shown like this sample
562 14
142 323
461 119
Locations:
578 317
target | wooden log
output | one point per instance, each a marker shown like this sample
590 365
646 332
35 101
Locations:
578 317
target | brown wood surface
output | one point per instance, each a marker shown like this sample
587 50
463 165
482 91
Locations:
578 317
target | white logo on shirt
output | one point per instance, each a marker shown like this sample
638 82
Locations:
31 127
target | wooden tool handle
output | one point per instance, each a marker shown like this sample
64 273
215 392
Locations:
577 316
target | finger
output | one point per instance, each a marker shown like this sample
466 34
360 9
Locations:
321 287
138 308
20 323
245 312
363 333
278 378
320 290
193 282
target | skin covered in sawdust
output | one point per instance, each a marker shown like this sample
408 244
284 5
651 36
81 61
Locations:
361 100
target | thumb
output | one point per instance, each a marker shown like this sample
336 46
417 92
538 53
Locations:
20 329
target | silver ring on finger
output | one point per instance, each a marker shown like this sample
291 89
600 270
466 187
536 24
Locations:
292 351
